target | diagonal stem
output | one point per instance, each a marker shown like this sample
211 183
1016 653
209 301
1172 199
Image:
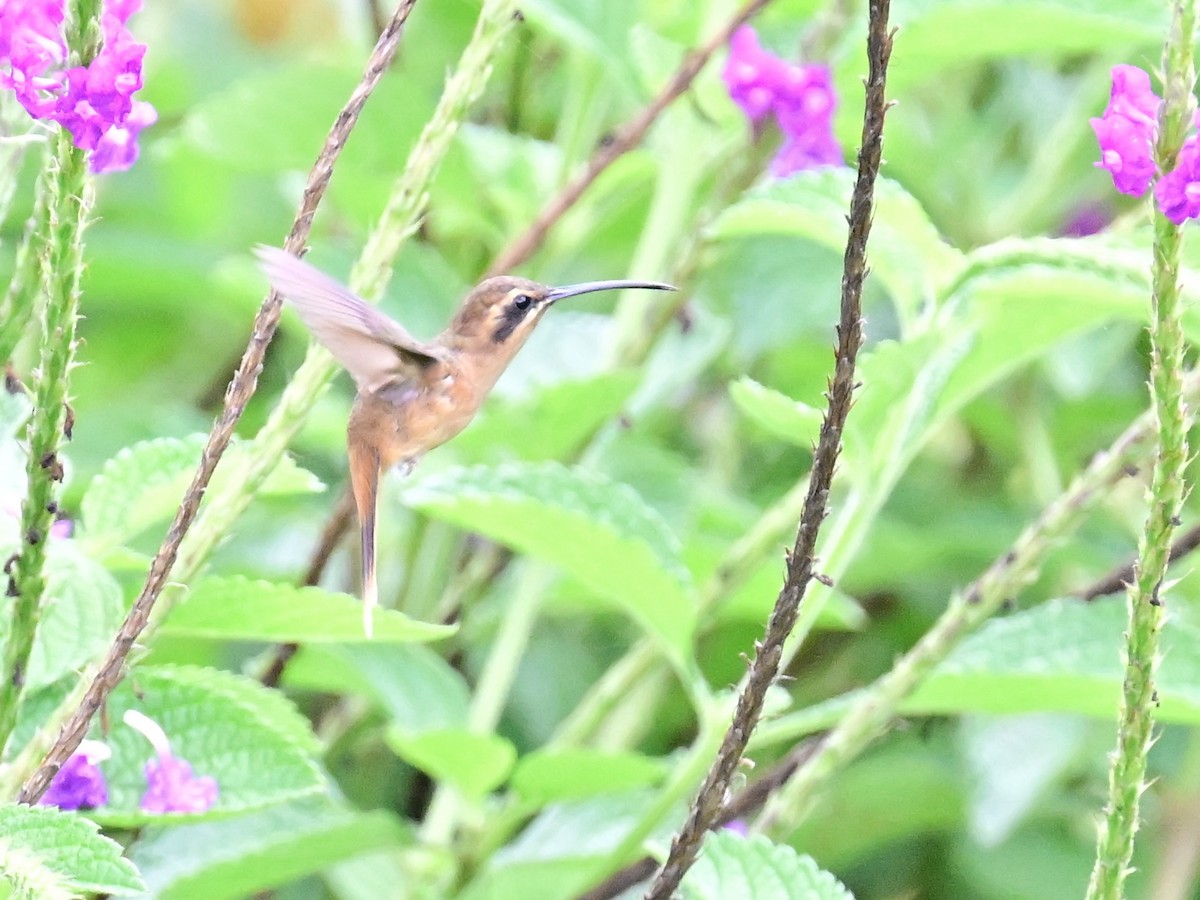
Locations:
709 804
241 388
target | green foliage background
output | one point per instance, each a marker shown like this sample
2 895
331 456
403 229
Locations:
646 506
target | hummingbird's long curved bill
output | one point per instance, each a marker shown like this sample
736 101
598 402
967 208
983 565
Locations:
587 287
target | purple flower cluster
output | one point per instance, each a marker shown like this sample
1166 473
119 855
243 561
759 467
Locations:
801 98
80 784
171 786
1127 132
94 102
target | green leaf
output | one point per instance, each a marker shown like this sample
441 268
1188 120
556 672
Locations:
779 414
908 255
474 763
1065 656
246 855
951 35
416 687
555 856
36 841
544 776
143 485
1015 301
599 532
550 423
242 609
250 739
904 790
85 610
732 867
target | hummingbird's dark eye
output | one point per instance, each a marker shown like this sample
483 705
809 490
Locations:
522 301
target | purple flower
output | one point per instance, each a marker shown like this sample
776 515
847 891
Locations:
1178 192
79 784
94 102
1089 218
171 785
1128 130
801 98
738 827
752 75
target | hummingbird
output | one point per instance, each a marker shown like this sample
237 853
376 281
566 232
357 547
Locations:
413 395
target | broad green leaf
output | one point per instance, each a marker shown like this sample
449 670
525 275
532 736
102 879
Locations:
550 423
568 774
597 531
245 127
1064 656
563 348
143 485
1013 764
1014 301
66 845
908 255
250 739
555 856
416 687
591 31
950 35
732 867
779 414
249 854
906 788
474 763
84 611
242 609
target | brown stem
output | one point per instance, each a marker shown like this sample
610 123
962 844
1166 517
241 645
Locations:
331 535
709 805
625 139
1117 580
743 804
241 388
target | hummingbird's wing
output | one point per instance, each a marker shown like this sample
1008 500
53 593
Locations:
373 347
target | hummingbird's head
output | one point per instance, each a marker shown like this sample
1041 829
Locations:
501 312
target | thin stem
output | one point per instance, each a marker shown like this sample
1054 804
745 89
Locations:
1127 772
493 687
872 709
17 304
1119 578
241 388
624 139
67 201
707 808
850 730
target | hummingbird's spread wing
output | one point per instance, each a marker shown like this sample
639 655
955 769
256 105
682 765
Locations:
373 347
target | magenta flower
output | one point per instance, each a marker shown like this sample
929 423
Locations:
738 827
1127 133
1178 192
801 98
94 102
79 784
171 785
1128 129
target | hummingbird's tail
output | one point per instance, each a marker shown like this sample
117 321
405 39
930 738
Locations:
364 479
